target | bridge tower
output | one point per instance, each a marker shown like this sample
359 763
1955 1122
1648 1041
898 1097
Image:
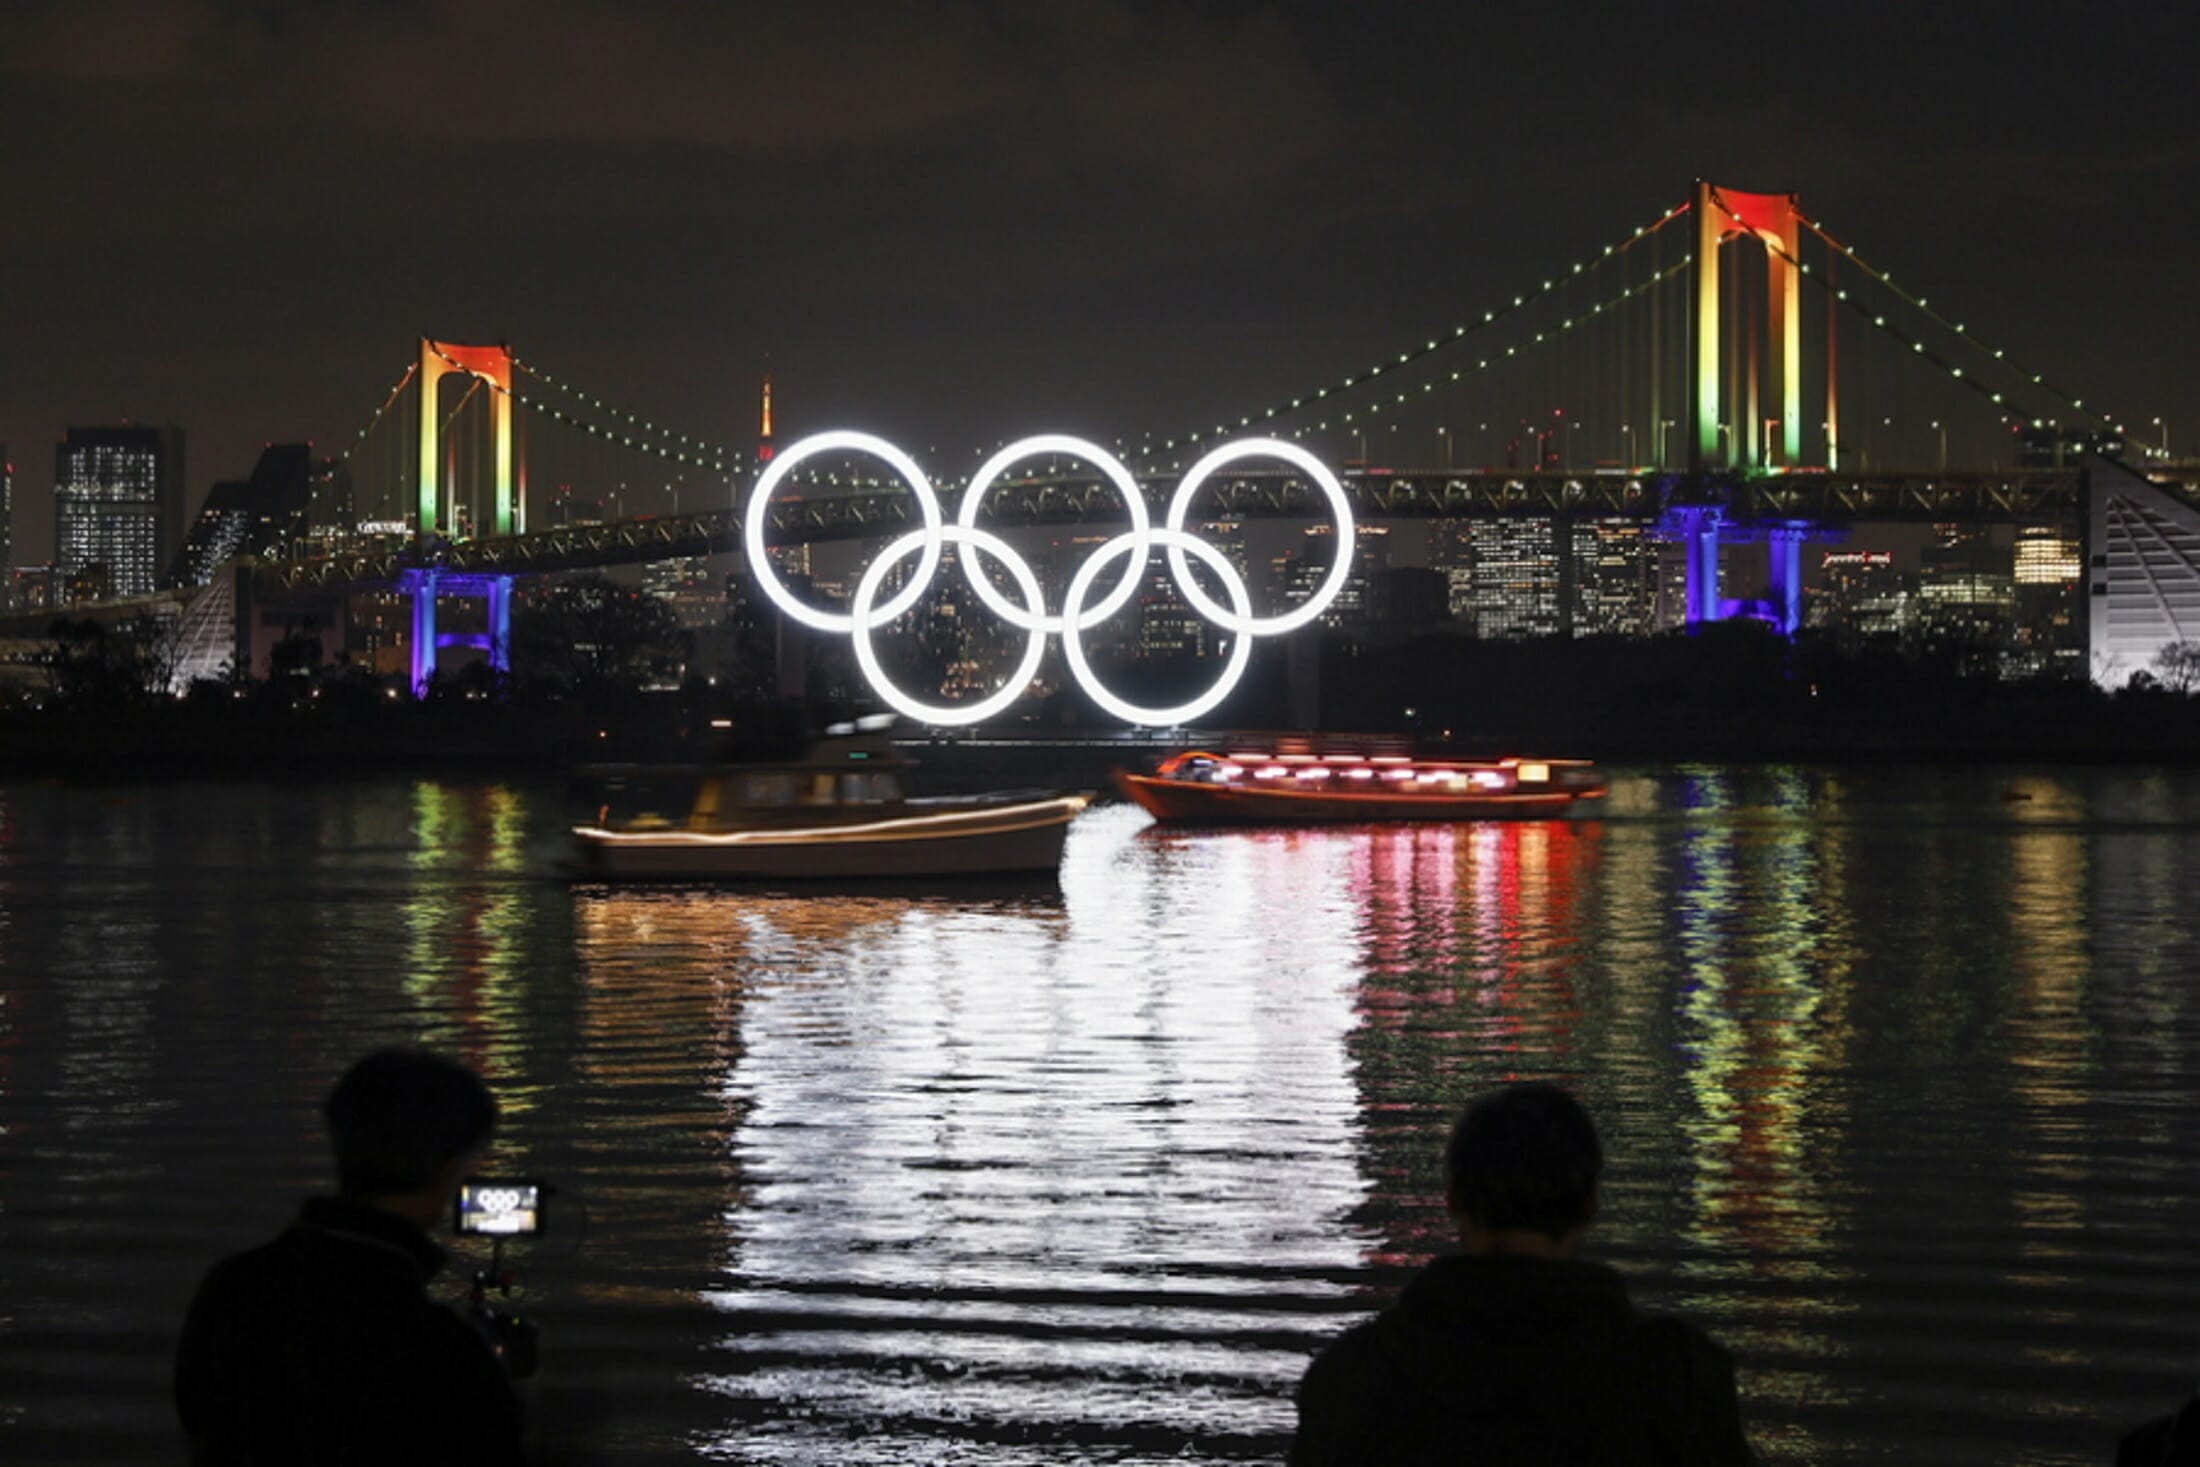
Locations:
492 367
1741 435
1772 221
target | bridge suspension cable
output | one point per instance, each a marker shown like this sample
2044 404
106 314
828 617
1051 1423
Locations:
694 451
691 452
1379 408
2037 379
1148 449
389 401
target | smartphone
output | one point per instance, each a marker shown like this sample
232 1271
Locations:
500 1207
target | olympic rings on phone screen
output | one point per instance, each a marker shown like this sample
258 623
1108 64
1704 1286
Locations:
867 613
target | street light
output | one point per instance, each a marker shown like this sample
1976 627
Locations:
1627 444
2163 451
1445 435
1942 429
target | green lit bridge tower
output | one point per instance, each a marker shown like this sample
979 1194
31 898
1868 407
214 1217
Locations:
1732 431
491 367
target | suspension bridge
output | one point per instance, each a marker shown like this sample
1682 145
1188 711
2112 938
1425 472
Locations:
1729 371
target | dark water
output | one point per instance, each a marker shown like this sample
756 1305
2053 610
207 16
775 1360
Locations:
1898 1075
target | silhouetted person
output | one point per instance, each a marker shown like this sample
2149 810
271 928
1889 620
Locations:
323 1345
1514 1350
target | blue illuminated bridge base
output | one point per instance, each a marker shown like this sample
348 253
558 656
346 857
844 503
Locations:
425 586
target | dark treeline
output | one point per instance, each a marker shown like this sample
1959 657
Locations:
598 674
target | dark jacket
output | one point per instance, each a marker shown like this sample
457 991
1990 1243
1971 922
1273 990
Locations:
1490 1361
323 1347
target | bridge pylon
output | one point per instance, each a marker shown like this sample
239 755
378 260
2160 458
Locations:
489 364
1773 221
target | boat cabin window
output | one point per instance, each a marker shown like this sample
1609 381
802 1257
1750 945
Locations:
872 787
769 789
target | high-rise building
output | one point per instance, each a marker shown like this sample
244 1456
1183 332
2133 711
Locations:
7 528
683 583
2050 634
1167 624
1966 593
1615 565
118 507
1862 595
1519 562
1451 554
1310 571
1669 587
332 506
262 516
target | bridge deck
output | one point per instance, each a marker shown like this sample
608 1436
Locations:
2008 497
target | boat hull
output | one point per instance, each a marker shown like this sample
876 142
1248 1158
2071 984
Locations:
990 840
1187 802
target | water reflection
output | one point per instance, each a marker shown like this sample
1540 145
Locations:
1021 1166
1896 1071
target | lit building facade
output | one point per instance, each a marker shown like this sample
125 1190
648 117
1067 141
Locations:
1451 555
2050 632
2142 574
1615 585
684 583
1862 595
1309 569
262 516
118 508
1519 565
1966 593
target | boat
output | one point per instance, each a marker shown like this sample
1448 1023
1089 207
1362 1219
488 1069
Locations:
837 811
1301 782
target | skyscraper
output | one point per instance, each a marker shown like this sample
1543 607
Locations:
1615 579
1966 593
2050 637
1518 564
258 516
1310 571
7 530
118 507
1451 552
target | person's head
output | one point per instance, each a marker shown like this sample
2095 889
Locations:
404 1124
1523 1162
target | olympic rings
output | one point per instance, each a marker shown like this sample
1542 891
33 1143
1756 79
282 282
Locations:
1107 463
928 506
1035 640
1073 641
866 614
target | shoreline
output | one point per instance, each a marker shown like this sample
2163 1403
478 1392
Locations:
544 744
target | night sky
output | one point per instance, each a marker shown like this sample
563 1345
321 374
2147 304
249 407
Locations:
952 222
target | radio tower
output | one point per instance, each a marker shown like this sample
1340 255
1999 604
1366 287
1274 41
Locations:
764 439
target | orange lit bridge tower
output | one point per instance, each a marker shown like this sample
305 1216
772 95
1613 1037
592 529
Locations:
1733 430
435 514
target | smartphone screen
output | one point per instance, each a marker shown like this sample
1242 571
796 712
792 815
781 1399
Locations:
499 1208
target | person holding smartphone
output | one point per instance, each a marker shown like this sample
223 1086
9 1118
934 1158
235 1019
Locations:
323 1345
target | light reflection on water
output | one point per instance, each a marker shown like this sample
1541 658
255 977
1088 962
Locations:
1895 1066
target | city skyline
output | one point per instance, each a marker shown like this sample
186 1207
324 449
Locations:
955 224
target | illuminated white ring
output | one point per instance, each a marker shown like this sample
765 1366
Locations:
843 440
1073 600
1340 570
1117 473
862 620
